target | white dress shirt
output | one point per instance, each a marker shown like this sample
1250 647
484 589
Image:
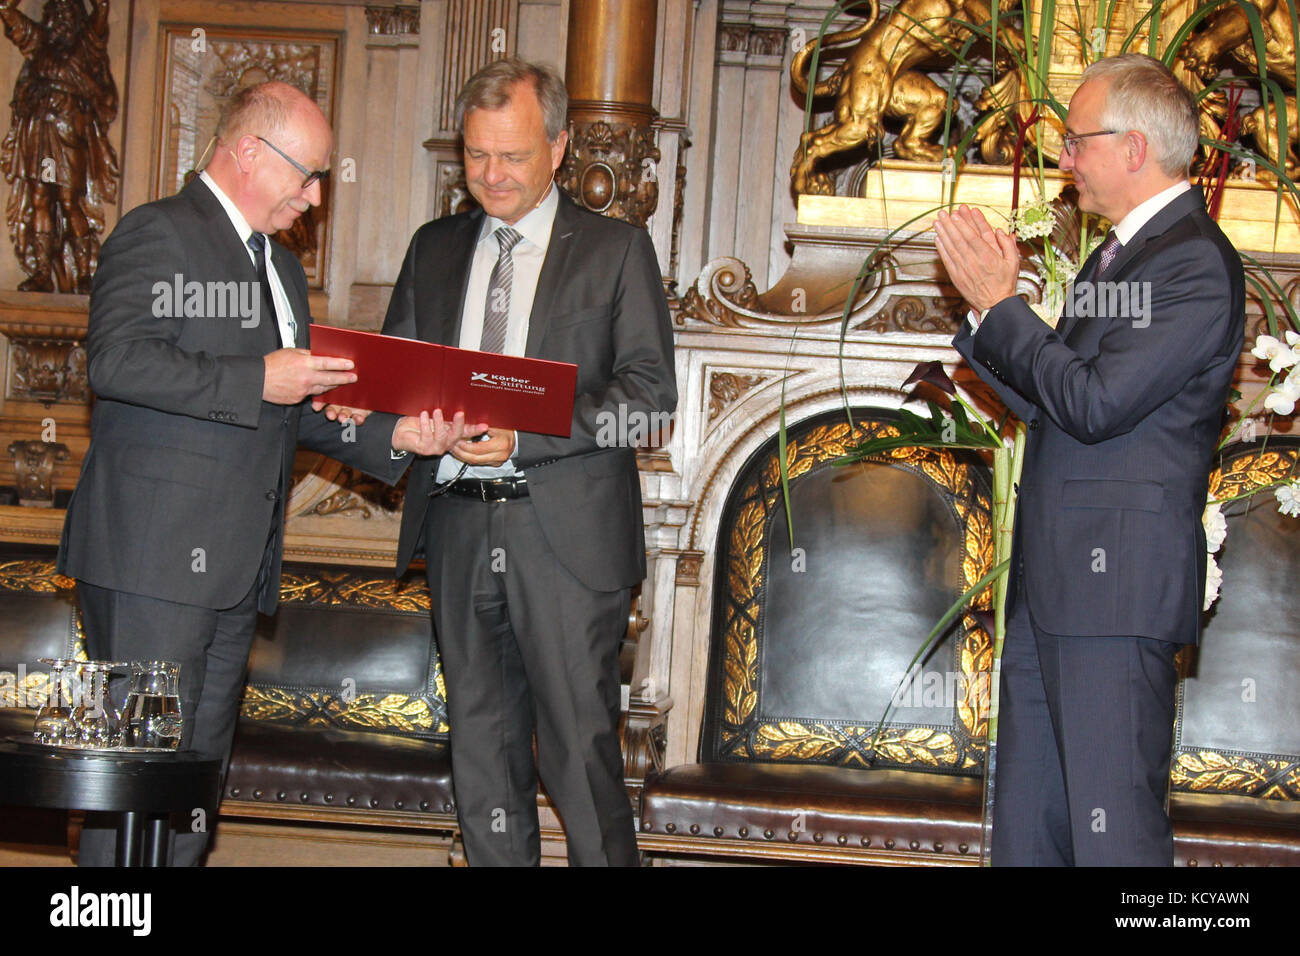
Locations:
527 255
284 313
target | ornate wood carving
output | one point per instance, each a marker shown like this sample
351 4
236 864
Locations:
57 158
612 168
48 370
398 20
725 388
477 32
688 568
34 468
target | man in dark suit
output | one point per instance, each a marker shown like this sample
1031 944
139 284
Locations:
530 603
197 348
1124 401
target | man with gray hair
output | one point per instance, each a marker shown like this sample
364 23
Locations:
533 542
1124 409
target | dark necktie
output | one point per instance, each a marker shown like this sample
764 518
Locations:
257 242
497 312
1109 250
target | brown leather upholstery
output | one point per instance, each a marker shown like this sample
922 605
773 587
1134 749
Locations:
883 811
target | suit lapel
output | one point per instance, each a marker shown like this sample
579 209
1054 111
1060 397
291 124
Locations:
440 305
235 259
565 232
1184 205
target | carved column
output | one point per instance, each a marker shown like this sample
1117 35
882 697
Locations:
612 163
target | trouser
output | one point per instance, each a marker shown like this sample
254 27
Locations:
212 650
1085 737
525 645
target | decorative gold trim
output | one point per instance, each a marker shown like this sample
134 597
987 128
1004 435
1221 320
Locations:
742 732
1208 771
392 713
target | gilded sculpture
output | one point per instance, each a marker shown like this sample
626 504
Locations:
57 158
882 77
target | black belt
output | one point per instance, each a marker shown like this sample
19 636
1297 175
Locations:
490 489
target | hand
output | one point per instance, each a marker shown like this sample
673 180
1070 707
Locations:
496 449
340 413
982 263
432 436
293 374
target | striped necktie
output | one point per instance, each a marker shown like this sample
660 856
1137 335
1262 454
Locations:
497 311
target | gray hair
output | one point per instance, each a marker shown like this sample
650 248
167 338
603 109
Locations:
254 110
1143 95
490 89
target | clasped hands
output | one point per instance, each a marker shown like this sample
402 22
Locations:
982 262
435 435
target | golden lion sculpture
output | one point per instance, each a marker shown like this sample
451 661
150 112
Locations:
881 77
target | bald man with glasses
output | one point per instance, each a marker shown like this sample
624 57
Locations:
175 530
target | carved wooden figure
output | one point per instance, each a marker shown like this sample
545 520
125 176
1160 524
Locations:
57 157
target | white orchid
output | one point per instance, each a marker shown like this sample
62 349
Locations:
1213 581
1288 498
1282 397
1277 354
1215 524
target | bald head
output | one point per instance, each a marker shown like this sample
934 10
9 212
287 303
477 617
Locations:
267 135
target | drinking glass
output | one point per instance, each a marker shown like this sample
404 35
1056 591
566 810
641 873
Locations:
153 707
53 717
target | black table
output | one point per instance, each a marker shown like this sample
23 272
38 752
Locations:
142 788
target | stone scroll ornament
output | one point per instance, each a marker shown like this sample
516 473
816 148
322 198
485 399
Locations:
56 157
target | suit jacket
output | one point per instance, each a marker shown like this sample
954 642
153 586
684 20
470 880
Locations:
185 478
599 304
1124 409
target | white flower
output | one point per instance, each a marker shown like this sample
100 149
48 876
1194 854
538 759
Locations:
1288 498
1277 355
1213 580
1292 338
1216 526
1033 221
1283 396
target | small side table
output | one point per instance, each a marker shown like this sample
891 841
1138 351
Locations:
140 787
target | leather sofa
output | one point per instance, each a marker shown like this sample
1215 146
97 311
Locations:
803 664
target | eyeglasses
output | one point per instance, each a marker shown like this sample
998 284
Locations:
1071 140
311 177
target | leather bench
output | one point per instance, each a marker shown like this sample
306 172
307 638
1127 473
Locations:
803 664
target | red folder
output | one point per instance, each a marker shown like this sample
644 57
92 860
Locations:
407 376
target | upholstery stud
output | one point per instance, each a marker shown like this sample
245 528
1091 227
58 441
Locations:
817 838
352 801
718 831
915 844
768 834
257 794
743 832
374 803
399 804
646 826
695 828
889 844
842 840
305 796
963 847
670 827
329 798
234 792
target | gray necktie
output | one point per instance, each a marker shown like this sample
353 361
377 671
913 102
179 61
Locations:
1109 250
497 312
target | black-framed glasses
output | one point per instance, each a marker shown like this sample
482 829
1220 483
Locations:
311 176
1071 140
